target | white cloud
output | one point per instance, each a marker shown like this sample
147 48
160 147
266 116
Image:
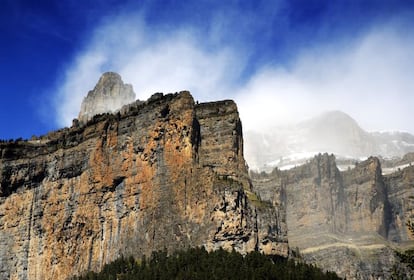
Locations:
78 81
370 78
152 61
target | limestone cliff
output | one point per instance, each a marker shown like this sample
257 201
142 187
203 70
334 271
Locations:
344 221
165 173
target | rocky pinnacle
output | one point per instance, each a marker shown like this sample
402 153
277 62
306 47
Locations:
109 95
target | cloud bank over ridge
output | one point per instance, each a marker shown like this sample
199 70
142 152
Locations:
369 78
368 75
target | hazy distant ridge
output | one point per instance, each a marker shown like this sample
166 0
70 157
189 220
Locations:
333 132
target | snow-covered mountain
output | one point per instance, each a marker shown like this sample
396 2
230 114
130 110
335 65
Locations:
333 132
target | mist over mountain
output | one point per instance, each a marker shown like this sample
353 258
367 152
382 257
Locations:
333 132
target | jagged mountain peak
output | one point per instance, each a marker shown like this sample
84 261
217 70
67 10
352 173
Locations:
109 75
109 95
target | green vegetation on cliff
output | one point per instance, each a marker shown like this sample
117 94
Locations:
197 263
406 258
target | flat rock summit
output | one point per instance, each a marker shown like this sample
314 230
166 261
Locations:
130 177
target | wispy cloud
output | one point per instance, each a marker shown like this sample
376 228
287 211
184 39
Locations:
369 76
152 61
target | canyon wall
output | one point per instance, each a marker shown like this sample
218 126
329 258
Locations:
349 222
162 174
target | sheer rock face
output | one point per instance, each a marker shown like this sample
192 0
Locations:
108 96
165 173
343 221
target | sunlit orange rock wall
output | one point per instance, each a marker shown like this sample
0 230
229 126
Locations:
163 174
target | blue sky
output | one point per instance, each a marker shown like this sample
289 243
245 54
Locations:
281 61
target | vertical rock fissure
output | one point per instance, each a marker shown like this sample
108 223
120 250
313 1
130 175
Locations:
90 254
256 230
102 234
196 139
29 234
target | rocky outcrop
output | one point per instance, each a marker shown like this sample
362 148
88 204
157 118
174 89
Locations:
108 96
160 174
400 187
343 221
